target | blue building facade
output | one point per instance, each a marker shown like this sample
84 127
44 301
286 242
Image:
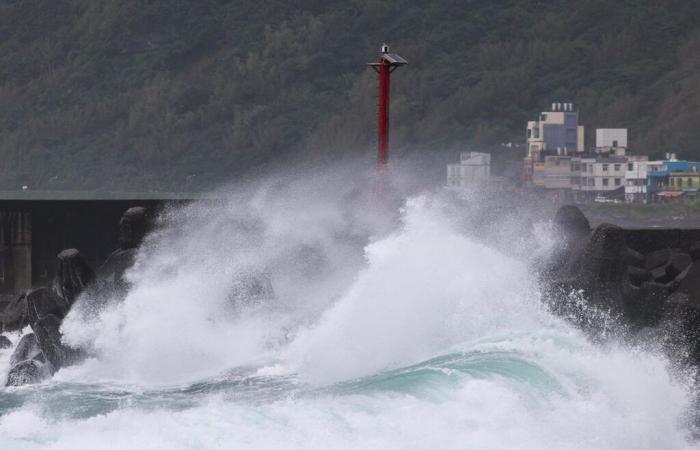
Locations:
658 180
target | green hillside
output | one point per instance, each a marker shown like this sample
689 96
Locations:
179 95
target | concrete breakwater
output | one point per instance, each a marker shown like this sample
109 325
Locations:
42 352
645 282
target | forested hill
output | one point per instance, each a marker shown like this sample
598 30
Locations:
178 95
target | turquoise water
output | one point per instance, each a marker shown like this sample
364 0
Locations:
425 338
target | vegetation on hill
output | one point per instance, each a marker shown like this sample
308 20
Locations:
183 94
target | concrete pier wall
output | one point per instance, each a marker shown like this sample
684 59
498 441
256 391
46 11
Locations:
652 239
33 232
15 250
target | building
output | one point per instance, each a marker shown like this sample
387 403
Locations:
555 133
636 178
559 172
605 171
601 175
474 169
675 180
612 141
687 183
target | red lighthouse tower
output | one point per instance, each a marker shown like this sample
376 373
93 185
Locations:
388 62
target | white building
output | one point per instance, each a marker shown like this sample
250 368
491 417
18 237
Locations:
474 169
611 140
601 175
636 177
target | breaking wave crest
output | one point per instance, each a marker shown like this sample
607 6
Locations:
289 317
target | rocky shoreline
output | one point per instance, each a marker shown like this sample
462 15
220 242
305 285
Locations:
39 354
606 279
638 282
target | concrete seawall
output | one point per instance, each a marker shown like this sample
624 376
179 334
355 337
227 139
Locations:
642 282
653 239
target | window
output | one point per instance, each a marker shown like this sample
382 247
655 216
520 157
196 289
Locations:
605 167
630 166
617 167
536 133
543 117
615 144
605 181
529 133
591 181
618 181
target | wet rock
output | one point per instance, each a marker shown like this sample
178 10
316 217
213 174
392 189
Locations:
573 228
678 263
659 258
687 293
48 336
27 348
5 342
27 363
634 258
73 275
43 302
603 257
111 274
643 305
660 275
569 220
681 317
637 275
133 226
14 316
27 372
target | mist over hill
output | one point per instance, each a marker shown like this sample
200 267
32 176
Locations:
182 95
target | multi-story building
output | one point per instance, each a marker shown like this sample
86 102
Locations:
636 178
601 175
686 182
555 133
673 181
558 172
